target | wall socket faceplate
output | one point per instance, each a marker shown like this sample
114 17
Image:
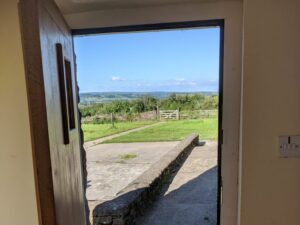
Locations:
289 146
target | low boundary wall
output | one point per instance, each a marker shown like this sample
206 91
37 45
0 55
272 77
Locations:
139 194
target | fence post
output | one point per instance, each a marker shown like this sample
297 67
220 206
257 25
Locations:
112 120
159 115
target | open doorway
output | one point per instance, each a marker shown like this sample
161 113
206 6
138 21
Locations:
161 109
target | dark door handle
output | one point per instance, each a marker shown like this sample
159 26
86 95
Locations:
63 95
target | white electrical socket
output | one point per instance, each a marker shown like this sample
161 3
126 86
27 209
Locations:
289 146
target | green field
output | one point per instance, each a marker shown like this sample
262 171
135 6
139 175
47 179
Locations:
95 131
173 131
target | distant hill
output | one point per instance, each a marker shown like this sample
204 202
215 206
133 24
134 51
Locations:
105 97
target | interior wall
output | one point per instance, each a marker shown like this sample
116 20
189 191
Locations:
232 13
271 107
17 189
232 10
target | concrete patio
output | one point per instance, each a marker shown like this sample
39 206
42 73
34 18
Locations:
108 173
190 196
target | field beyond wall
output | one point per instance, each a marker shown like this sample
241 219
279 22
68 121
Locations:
166 131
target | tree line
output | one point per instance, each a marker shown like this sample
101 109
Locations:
185 102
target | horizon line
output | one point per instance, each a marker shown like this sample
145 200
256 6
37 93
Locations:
86 92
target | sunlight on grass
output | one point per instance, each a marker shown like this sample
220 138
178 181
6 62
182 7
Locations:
173 131
95 131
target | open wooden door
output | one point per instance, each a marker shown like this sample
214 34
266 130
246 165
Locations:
52 92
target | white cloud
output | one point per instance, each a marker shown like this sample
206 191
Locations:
180 79
115 78
184 82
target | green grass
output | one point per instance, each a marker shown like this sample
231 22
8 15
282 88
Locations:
95 131
172 131
128 156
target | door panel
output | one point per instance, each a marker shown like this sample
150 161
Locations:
65 155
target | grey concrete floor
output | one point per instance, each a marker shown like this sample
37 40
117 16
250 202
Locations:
191 196
108 173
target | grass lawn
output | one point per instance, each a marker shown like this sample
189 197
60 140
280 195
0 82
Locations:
95 131
173 131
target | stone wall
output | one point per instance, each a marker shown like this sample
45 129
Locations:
83 160
138 195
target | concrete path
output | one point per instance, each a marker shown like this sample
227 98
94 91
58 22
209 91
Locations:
108 173
90 144
191 197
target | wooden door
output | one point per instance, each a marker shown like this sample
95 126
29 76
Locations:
51 84
60 92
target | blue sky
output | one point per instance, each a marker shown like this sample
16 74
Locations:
177 60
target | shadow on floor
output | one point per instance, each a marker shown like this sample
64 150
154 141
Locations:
193 203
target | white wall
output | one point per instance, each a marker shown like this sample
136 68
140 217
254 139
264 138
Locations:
232 13
271 107
270 186
17 189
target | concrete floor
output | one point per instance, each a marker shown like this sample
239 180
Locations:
191 197
108 173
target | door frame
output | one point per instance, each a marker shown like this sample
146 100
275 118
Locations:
173 26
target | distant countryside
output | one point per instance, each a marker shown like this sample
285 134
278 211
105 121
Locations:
168 116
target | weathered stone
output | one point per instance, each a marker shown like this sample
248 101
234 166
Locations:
103 220
83 162
119 222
